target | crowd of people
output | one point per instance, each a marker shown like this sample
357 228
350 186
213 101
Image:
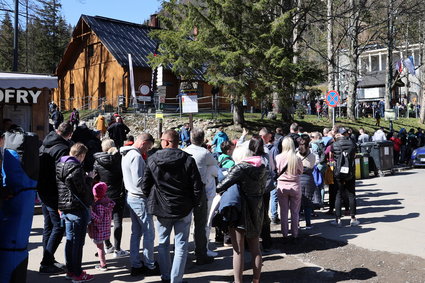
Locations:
240 187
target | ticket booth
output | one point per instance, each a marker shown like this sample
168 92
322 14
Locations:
24 99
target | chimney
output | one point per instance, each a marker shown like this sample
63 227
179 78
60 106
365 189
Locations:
154 21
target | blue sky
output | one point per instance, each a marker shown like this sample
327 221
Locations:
136 11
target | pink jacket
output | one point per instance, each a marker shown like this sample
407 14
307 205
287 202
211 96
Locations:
288 181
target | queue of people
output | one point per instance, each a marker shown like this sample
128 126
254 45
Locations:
244 185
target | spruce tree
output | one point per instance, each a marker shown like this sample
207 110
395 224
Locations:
6 44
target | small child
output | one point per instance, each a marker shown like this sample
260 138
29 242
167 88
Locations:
101 216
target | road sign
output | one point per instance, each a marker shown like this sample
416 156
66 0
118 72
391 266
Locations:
144 90
332 98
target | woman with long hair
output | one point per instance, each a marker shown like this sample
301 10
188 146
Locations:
250 174
289 169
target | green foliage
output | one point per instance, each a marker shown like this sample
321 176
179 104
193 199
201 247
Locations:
41 44
6 44
244 46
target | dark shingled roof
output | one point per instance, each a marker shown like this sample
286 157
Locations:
122 38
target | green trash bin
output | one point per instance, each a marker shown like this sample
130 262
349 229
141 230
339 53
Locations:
364 164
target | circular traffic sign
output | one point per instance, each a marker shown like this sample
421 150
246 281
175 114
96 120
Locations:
332 98
144 90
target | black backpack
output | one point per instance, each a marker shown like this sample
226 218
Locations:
25 144
48 170
344 166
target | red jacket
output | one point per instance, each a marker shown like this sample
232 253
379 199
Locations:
397 143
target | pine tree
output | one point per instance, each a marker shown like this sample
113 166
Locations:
6 44
244 46
52 35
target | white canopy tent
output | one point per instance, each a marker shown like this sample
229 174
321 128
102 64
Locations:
18 80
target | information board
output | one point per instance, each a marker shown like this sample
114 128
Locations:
190 103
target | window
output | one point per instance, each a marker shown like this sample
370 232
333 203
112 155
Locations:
90 51
71 90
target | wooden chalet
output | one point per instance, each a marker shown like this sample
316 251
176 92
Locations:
95 68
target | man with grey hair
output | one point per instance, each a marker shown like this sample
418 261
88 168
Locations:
133 168
204 161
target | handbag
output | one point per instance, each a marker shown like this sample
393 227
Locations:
329 176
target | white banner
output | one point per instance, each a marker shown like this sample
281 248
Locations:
133 90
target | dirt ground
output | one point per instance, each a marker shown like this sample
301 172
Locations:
315 259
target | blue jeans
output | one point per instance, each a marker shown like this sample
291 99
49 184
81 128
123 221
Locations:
273 204
52 234
141 225
75 229
181 231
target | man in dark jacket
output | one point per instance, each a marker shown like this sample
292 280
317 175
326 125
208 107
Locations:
55 145
174 186
118 132
344 150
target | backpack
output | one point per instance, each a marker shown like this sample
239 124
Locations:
48 170
344 166
20 162
321 152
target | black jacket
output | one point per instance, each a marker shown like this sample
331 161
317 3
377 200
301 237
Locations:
74 187
108 169
118 132
87 137
252 185
172 183
56 146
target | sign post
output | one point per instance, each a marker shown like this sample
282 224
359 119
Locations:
332 100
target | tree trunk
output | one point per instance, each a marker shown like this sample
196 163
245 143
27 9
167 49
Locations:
353 57
238 114
421 78
389 70
331 58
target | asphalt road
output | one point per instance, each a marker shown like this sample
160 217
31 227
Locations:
389 210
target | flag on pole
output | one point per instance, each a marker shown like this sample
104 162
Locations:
399 66
408 63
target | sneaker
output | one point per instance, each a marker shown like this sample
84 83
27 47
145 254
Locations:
212 253
110 250
227 242
60 265
336 223
152 272
69 276
275 220
309 227
121 253
204 260
101 268
354 222
50 269
84 277
137 271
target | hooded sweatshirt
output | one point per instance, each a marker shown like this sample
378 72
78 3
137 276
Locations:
133 168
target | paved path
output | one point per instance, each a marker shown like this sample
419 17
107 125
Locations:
389 209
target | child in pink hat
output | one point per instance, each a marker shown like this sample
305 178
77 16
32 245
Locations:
101 216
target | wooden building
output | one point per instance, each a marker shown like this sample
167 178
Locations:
24 99
95 67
